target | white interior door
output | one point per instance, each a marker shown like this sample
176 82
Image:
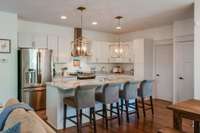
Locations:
184 71
164 71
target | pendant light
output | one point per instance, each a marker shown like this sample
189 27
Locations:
80 43
119 50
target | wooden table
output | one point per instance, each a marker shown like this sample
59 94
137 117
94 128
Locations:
189 109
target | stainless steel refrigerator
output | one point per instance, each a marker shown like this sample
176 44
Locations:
35 69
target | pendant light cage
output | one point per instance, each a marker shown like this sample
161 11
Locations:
119 49
80 44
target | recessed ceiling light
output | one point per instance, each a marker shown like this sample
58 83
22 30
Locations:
94 23
63 17
118 28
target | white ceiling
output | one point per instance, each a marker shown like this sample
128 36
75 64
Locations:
138 14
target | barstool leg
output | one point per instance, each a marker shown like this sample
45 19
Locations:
118 113
64 116
81 117
90 115
94 119
122 107
78 120
143 107
105 113
151 100
127 114
111 108
136 108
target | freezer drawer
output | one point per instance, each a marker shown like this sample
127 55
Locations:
35 97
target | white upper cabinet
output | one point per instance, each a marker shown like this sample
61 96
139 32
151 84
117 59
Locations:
25 40
103 52
138 50
53 45
93 49
64 50
32 40
99 51
143 59
40 40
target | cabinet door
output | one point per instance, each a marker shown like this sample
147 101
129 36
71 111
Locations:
139 71
64 51
131 52
94 50
102 53
32 40
53 45
40 40
25 40
139 51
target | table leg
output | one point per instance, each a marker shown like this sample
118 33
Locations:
177 121
196 127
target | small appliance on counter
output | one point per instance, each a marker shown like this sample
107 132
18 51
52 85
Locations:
117 69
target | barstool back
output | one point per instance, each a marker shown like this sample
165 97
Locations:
85 96
111 93
130 90
146 87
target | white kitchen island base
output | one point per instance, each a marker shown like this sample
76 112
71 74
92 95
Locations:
57 91
55 108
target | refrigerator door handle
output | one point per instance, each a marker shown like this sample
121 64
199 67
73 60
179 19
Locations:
38 68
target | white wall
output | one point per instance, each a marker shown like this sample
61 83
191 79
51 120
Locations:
8 69
197 50
27 26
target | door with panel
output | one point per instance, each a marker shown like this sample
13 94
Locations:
184 71
164 71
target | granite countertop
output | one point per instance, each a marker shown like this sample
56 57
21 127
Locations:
101 79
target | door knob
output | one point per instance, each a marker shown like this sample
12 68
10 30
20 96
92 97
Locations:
157 75
181 78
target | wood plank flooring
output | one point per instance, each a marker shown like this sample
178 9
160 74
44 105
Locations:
150 124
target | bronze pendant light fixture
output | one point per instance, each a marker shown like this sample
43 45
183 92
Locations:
80 43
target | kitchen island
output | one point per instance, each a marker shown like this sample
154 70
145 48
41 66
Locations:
61 88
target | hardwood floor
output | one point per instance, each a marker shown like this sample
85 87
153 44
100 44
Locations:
162 118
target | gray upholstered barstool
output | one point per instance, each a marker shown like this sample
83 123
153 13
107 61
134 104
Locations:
84 98
128 93
145 91
109 95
